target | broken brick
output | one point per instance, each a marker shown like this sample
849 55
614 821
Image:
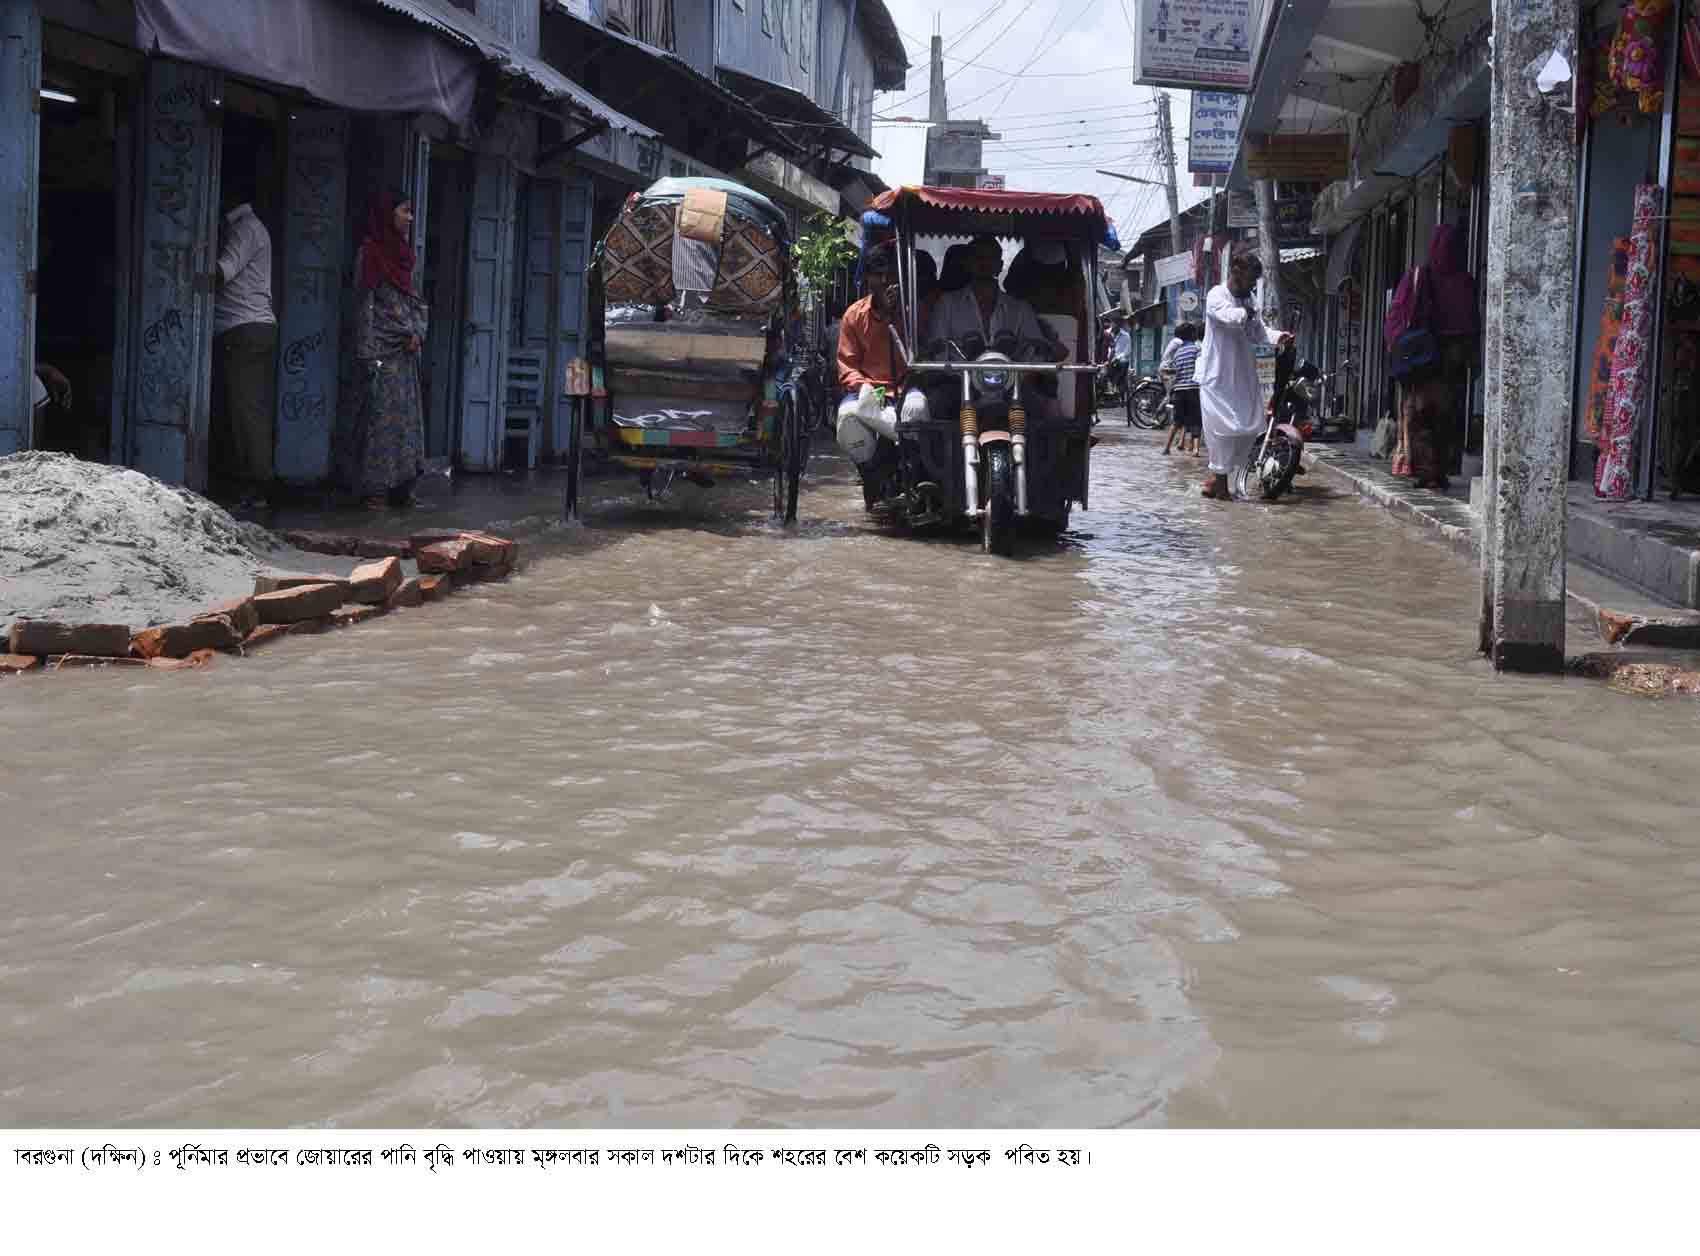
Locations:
200 658
94 660
374 582
240 612
478 575
307 601
384 547
263 634
355 613
307 627
276 582
321 542
175 641
435 588
444 556
408 594
11 664
46 636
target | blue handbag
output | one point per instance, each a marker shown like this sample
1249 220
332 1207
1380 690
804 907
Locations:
1417 348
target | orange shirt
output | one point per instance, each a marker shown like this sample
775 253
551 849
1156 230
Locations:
867 353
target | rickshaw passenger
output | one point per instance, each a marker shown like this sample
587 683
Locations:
956 270
869 360
982 308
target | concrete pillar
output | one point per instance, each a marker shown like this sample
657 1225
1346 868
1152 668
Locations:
1529 358
20 152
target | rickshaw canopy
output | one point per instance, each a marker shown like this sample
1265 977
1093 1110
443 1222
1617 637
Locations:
973 211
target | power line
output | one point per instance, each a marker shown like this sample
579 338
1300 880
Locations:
1012 21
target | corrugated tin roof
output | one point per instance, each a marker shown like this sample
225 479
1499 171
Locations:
463 27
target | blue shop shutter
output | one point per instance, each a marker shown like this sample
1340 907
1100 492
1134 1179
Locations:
20 81
177 247
489 263
570 297
310 311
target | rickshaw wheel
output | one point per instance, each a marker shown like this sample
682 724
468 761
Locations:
793 455
997 521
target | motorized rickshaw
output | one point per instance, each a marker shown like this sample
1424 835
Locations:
694 312
1004 439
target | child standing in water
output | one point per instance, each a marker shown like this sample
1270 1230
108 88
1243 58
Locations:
1185 418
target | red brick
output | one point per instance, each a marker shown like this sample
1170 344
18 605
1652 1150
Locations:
321 542
374 582
480 574
241 613
93 660
200 658
441 556
384 547
46 636
420 540
435 588
263 634
356 613
276 582
13 663
307 601
409 594
175 641
307 627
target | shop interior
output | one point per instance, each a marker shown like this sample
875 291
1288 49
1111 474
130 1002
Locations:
77 265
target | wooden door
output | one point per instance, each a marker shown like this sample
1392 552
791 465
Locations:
484 327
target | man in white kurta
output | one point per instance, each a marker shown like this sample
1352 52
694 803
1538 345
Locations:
1229 394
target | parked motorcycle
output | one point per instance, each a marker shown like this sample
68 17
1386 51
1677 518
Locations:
1277 457
1148 403
1308 403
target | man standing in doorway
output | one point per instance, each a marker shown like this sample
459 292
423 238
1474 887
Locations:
245 342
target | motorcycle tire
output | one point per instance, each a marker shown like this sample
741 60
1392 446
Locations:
1273 471
1145 406
997 520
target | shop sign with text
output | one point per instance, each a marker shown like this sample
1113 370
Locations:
1194 43
1213 135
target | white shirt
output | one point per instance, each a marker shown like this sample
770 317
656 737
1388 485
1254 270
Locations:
956 315
245 266
1229 393
1166 363
1124 344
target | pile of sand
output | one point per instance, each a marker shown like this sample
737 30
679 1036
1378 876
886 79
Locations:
88 543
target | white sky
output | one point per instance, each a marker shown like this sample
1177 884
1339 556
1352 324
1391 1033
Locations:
1045 74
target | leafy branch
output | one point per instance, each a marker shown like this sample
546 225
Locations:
825 247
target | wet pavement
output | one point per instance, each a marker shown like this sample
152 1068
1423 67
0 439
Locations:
1206 815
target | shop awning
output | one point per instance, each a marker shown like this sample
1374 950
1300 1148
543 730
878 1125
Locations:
458 24
792 111
620 59
338 53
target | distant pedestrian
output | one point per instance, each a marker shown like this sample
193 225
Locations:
1441 297
1181 366
245 342
388 429
1229 393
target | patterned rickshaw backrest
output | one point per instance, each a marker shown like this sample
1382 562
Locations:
711 239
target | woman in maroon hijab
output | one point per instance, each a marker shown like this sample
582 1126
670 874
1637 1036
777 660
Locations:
1440 295
388 432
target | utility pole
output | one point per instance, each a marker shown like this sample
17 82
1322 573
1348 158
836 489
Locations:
1166 138
1269 247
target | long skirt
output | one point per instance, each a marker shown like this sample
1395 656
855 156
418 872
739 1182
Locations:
389 428
1428 416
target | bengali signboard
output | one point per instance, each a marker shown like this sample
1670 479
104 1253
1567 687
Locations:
1213 134
1176 268
1242 208
1299 158
1194 43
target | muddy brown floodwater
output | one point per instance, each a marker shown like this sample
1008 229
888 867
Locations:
1208 815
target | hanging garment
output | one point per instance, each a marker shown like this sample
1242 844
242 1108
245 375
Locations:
1605 344
1631 355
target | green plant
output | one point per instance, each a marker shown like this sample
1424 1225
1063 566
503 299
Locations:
825 247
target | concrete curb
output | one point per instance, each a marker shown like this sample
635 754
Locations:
1450 518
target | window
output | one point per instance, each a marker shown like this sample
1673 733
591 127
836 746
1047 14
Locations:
650 21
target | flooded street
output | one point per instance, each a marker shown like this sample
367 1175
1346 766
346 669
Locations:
1209 815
